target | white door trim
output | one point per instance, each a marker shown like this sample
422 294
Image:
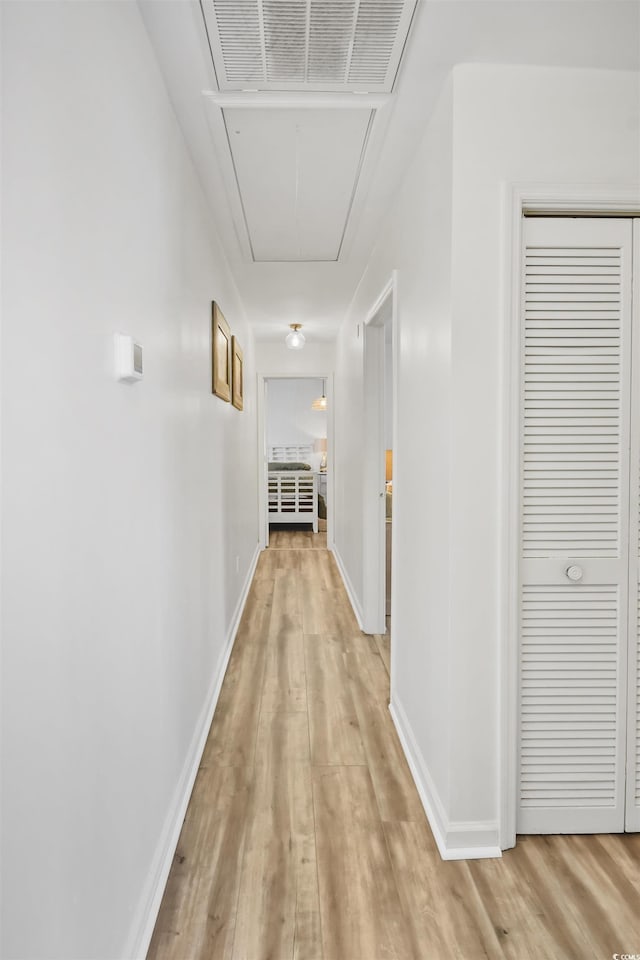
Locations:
262 378
373 480
519 199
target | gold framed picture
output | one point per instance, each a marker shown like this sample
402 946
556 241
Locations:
220 354
237 388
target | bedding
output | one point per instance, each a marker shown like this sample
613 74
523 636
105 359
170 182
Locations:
277 465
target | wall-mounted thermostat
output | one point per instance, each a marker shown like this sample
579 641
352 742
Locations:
128 358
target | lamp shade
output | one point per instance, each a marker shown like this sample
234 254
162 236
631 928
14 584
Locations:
295 339
320 403
320 446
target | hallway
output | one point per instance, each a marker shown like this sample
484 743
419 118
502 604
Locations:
305 838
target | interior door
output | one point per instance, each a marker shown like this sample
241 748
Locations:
632 819
574 541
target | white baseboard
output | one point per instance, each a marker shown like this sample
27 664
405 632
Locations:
147 912
353 600
456 840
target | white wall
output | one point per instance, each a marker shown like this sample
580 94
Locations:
124 507
274 359
444 235
416 240
290 417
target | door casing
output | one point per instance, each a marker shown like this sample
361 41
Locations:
518 200
262 379
373 487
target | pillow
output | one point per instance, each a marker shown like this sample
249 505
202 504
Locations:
289 466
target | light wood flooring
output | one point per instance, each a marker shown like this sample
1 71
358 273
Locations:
305 838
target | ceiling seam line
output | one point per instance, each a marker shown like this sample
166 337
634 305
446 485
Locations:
297 195
235 174
365 144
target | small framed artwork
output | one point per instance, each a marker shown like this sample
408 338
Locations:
220 354
237 389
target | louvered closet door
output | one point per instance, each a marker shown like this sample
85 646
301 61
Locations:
574 562
632 820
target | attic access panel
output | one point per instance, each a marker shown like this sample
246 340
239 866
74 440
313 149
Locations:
296 174
341 46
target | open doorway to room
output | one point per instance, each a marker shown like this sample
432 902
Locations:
379 396
295 491
388 462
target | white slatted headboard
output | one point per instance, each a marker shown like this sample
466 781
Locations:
291 453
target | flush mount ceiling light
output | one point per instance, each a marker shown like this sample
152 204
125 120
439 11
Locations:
320 403
295 339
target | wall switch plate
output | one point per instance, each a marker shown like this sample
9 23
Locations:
128 358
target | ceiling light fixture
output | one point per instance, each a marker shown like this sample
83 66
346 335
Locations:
295 339
320 403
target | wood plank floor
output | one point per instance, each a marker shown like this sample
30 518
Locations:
305 838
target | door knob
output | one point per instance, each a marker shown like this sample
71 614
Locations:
574 572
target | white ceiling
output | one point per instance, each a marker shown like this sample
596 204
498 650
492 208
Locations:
295 184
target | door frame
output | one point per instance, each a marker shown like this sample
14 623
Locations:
518 200
373 479
263 519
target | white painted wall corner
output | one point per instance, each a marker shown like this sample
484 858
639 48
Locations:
456 840
149 905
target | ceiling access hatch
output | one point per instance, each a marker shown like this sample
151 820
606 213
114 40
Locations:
345 46
296 174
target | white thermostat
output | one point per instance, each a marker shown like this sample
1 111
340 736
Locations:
128 356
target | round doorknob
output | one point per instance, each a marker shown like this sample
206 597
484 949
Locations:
574 572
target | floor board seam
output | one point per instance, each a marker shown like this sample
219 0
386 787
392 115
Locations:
313 797
252 775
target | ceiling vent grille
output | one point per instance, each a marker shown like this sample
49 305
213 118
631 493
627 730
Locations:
314 45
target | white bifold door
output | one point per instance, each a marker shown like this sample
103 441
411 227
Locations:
579 664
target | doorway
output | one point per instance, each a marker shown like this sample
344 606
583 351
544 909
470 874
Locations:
296 474
379 461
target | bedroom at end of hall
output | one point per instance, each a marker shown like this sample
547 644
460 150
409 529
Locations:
296 443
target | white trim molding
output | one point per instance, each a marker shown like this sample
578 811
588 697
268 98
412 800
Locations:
292 100
149 905
373 477
456 840
397 459
518 200
351 593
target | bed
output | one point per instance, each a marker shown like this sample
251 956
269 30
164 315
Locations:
292 486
